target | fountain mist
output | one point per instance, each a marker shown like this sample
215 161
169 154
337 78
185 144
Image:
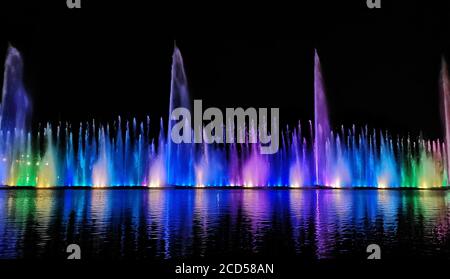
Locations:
122 153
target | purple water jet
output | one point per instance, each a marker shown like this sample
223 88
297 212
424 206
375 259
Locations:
445 108
321 123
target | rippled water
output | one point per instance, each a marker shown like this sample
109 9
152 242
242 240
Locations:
176 223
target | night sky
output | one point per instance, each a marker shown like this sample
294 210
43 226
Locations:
381 67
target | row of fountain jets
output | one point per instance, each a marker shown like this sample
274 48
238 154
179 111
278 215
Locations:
123 153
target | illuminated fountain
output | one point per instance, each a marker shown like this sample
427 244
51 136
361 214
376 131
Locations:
178 156
122 153
445 110
321 126
15 139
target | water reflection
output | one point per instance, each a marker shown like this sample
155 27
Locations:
164 224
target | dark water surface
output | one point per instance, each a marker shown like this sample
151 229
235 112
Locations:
177 223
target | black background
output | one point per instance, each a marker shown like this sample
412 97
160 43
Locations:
381 66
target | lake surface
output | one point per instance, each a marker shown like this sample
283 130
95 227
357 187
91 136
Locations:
178 223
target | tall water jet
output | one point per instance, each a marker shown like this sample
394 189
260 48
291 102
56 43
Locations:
321 123
15 110
179 97
15 105
445 108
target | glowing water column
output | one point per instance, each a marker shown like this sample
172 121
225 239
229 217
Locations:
178 157
445 102
321 124
15 110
